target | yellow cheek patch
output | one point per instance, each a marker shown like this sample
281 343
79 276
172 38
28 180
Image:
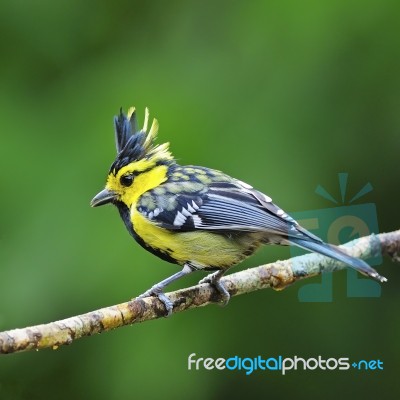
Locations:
142 183
147 176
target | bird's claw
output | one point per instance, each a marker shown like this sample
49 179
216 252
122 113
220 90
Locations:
214 280
156 291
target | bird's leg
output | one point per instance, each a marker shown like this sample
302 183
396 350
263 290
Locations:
158 289
214 279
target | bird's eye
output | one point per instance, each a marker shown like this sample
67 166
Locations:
126 180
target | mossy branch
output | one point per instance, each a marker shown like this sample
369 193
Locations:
277 275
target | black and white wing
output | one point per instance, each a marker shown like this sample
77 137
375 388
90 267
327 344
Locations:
232 206
223 206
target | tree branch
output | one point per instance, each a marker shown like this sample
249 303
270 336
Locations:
277 275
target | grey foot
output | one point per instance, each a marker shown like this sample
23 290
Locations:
214 279
156 291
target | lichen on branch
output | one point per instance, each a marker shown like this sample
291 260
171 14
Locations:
277 275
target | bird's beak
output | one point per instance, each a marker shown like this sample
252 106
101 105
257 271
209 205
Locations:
104 197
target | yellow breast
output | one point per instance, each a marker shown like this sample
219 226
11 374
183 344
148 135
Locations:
201 248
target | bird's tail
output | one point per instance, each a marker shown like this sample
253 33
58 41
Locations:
336 253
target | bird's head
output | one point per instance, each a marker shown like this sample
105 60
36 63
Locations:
139 165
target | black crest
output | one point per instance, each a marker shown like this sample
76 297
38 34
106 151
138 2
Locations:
132 144
124 129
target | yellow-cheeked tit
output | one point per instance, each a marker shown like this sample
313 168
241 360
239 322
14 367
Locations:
196 217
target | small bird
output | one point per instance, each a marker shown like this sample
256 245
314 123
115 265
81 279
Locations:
196 217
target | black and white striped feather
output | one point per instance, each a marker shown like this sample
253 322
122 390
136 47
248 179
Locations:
227 206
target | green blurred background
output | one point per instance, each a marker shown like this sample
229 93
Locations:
283 95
